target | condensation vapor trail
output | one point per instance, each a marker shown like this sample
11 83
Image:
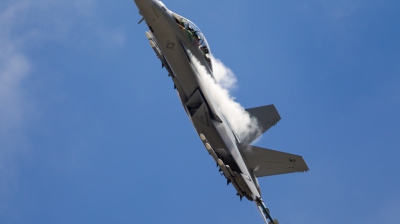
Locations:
238 118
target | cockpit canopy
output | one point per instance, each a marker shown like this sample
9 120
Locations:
195 35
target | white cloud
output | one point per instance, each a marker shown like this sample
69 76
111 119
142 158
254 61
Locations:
389 213
112 38
342 9
84 7
14 68
22 23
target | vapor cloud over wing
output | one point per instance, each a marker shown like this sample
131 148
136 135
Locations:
238 118
223 75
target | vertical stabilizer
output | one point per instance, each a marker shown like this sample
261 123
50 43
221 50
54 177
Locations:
267 116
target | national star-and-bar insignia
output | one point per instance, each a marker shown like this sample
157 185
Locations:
170 45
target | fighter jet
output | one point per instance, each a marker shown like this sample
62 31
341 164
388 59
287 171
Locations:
185 53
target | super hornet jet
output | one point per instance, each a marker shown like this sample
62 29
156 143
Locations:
178 42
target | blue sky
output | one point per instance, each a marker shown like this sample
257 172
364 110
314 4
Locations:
92 131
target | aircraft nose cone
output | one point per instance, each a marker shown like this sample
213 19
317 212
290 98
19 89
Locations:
144 4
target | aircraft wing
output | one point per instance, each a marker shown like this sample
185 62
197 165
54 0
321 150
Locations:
268 162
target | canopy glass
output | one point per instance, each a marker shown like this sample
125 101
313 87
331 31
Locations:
195 35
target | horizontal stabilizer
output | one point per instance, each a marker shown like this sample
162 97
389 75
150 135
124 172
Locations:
268 162
267 116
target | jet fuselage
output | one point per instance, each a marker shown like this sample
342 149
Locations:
179 50
184 52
